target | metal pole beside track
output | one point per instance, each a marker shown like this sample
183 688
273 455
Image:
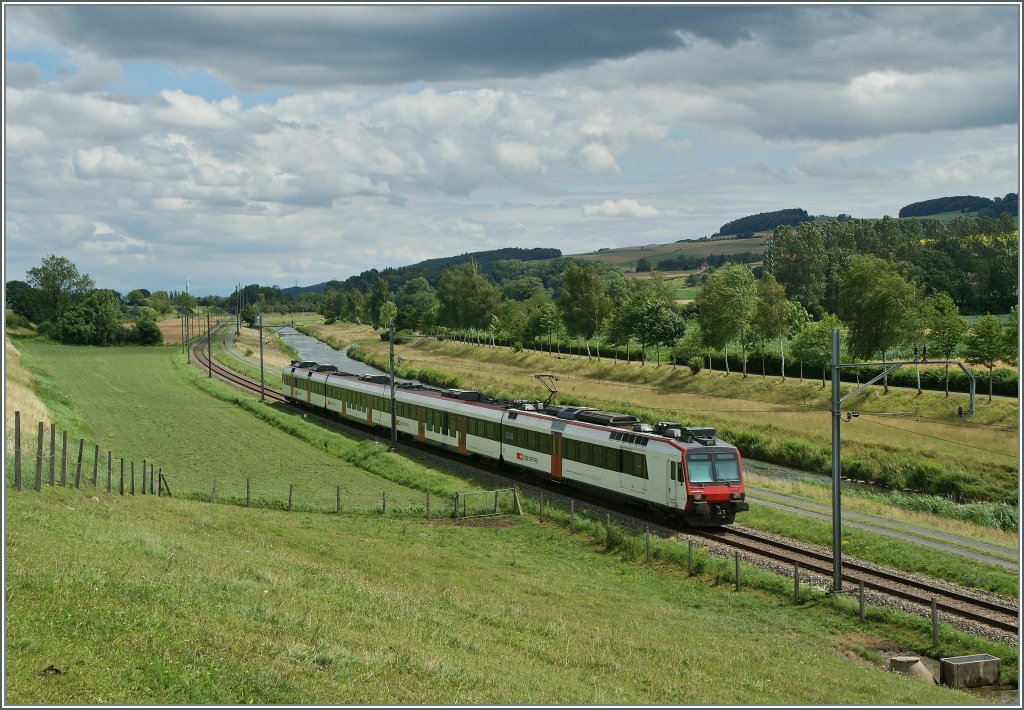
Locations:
209 352
391 360
837 538
261 356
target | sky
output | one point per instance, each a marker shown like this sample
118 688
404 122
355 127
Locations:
289 145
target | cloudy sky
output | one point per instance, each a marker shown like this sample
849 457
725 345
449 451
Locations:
291 145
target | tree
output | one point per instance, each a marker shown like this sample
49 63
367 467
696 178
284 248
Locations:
388 311
798 260
725 307
417 305
813 343
466 299
510 322
380 295
58 285
771 317
583 302
986 345
881 309
250 314
23 300
94 320
947 330
643 266
146 331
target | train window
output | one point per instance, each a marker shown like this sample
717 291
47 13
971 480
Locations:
612 458
727 468
545 443
510 435
698 467
444 424
531 440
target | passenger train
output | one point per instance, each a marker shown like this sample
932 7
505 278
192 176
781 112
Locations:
685 470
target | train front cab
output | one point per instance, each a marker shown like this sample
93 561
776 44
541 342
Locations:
714 485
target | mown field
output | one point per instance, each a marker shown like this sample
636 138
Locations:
627 257
183 602
141 600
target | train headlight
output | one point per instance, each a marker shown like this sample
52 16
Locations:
735 496
697 497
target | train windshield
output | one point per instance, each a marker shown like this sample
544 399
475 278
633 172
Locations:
707 467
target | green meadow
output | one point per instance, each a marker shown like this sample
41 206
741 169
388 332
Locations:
136 600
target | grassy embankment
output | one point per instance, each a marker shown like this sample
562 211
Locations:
858 543
178 601
131 401
204 603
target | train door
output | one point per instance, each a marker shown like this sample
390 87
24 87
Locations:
421 419
674 472
461 423
556 456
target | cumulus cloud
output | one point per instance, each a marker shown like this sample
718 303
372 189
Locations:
619 208
441 130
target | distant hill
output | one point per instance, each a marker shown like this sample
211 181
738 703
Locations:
967 204
430 269
764 221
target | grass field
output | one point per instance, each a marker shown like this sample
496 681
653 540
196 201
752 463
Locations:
182 602
178 601
627 257
136 402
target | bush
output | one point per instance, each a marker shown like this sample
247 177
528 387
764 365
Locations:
696 364
16 320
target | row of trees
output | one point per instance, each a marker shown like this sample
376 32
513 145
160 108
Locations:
880 311
974 261
68 307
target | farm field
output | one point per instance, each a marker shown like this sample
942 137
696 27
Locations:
176 601
627 257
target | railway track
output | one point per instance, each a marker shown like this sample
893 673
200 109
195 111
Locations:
960 604
989 612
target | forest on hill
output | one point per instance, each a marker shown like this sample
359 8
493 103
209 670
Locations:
979 206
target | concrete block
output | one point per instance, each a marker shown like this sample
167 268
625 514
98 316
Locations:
912 666
969 671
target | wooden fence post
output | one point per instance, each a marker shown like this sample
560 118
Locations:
455 500
122 476
428 505
144 472
290 487
935 624
796 582
133 478
337 500
737 571
64 460
542 506
152 482
78 469
53 451
689 558
17 450
39 459
213 489
572 516
109 469
383 503
861 594
647 536
95 465
248 493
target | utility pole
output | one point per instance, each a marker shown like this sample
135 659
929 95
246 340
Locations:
209 349
837 400
391 372
261 356
238 309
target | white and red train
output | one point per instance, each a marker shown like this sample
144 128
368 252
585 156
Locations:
686 470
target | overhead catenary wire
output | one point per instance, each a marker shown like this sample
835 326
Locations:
869 418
